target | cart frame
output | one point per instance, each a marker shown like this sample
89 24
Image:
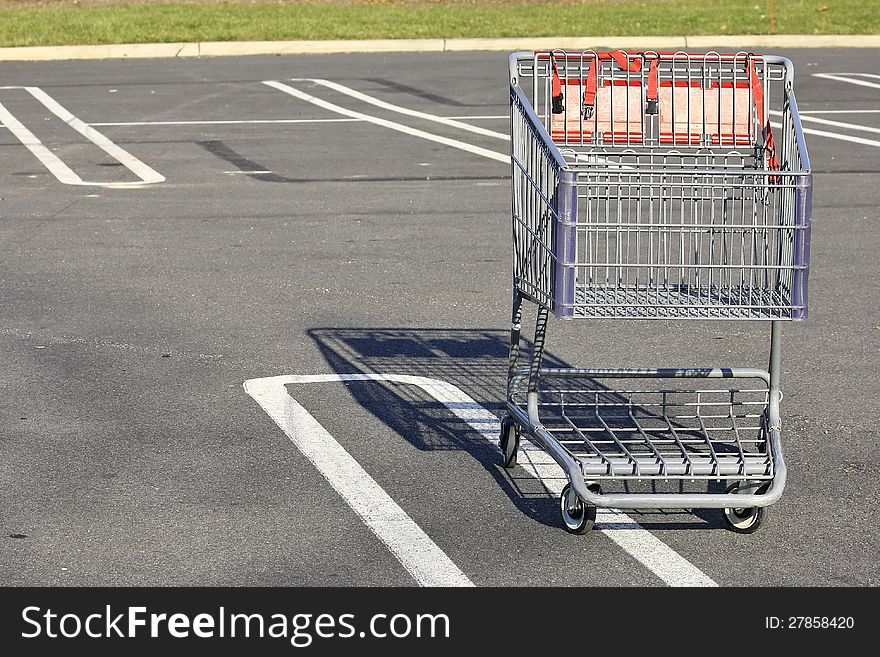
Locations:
553 184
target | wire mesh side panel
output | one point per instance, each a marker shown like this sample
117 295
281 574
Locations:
680 243
796 203
688 206
535 176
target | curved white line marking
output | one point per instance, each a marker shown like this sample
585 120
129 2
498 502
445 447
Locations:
636 541
58 168
415 550
348 91
399 127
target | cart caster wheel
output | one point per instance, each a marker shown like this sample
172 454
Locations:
577 517
745 520
509 442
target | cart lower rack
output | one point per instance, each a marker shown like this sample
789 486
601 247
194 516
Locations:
653 186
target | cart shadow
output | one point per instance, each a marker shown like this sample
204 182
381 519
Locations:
474 360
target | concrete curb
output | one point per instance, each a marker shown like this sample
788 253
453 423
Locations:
220 49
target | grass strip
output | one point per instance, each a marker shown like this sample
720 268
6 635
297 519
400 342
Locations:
233 21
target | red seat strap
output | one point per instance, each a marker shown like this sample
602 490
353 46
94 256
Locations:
763 122
556 92
621 58
653 95
590 89
625 62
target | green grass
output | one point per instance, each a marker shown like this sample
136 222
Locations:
136 23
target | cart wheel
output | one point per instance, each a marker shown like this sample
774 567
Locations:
509 442
745 520
577 517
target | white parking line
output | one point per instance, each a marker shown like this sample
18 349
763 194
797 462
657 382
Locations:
833 135
415 550
482 117
636 541
248 172
494 155
836 124
841 77
223 122
52 162
35 146
348 91
124 124
477 150
855 111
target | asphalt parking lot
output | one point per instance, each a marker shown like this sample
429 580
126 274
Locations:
177 232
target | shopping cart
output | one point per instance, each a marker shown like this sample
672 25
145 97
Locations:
654 186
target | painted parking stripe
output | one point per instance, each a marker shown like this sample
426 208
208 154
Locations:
392 125
853 111
35 146
494 155
639 543
59 169
834 124
425 561
834 135
221 122
850 78
348 91
125 124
